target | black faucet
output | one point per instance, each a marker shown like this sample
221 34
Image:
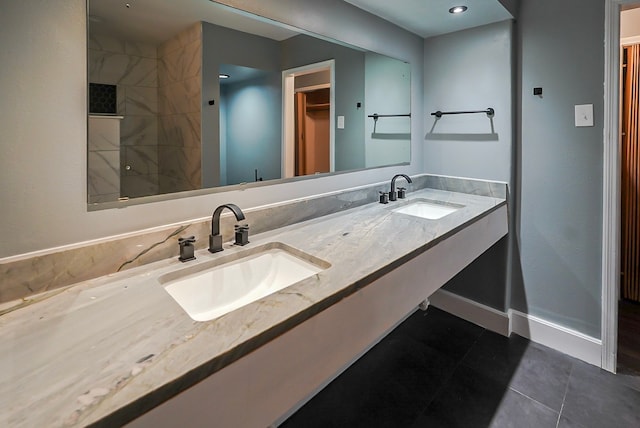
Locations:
186 248
393 196
215 239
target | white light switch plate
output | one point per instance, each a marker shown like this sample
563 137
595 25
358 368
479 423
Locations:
584 115
340 122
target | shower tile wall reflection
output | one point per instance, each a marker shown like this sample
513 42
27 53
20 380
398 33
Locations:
158 91
179 135
104 158
133 67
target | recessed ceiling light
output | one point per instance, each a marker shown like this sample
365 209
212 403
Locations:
458 9
223 76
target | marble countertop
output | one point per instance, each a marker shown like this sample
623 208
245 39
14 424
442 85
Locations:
106 350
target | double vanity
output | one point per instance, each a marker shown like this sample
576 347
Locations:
244 335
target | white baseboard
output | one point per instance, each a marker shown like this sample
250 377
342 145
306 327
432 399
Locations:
477 313
565 340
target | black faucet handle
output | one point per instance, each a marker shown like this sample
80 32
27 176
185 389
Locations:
402 192
384 198
186 248
242 234
186 241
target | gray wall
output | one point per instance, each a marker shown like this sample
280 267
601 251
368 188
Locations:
560 190
225 46
387 91
469 70
511 5
222 45
473 70
43 128
252 141
554 169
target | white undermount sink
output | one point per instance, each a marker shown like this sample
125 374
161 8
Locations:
212 289
431 210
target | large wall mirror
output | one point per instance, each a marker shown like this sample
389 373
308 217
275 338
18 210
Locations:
194 95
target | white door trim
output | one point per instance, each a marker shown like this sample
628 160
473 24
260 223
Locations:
630 41
611 185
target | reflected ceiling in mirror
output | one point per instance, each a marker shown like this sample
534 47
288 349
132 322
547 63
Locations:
195 95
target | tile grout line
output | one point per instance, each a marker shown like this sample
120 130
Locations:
535 401
564 397
484 330
469 350
560 414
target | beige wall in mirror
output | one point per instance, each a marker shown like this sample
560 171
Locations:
202 97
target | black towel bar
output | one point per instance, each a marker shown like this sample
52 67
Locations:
489 112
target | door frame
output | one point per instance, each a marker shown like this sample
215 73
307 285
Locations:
611 185
288 114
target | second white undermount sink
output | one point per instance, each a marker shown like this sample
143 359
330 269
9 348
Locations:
431 210
212 289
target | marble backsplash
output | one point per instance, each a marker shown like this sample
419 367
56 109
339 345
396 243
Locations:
31 274
470 186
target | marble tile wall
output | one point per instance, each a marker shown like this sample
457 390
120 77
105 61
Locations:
179 135
103 160
133 67
24 276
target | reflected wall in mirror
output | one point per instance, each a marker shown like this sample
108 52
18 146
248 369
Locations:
179 100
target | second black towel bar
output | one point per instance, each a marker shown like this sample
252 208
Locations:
375 116
489 112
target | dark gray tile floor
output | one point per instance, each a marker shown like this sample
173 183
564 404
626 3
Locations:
628 337
436 370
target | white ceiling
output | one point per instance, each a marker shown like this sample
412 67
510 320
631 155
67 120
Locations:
428 18
155 21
